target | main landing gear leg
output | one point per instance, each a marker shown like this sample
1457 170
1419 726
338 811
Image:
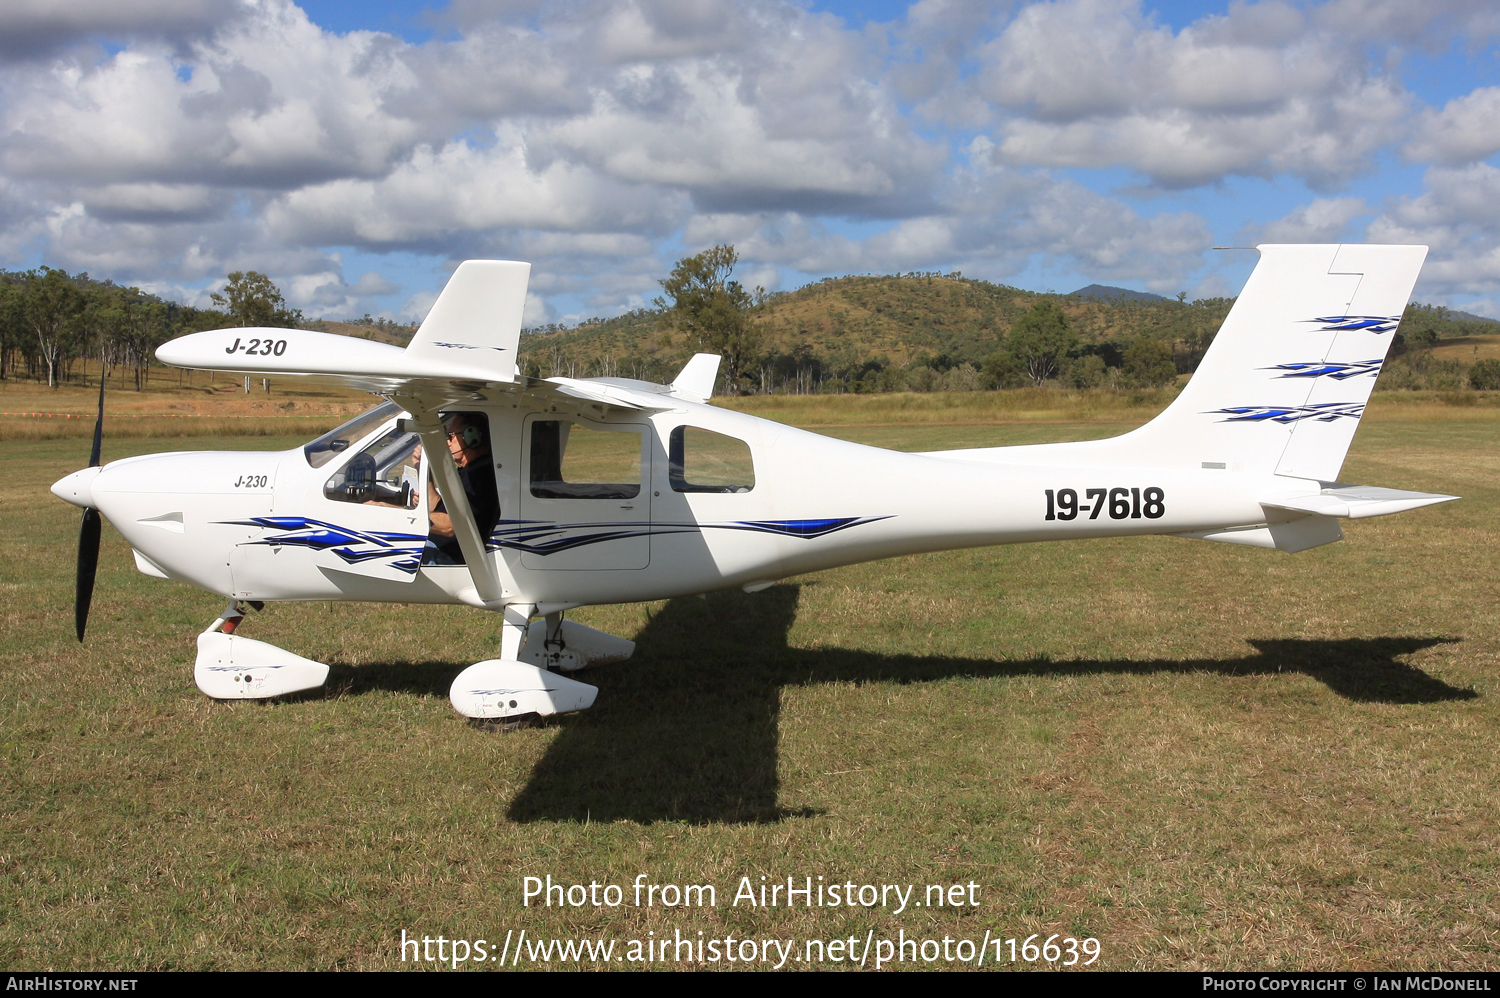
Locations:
565 646
230 667
509 689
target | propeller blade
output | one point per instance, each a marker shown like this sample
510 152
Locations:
88 564
98 423
88 533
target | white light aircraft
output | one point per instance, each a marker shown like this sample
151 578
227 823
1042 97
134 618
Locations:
565 492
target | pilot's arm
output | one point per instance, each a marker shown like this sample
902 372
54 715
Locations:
441 523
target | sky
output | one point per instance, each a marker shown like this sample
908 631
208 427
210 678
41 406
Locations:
358 151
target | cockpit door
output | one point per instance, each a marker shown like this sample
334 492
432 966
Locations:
585 496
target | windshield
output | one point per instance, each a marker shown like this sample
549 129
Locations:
386 472
333 443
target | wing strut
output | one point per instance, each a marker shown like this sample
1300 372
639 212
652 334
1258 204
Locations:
450 487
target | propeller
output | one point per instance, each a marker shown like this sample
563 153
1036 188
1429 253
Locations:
88 532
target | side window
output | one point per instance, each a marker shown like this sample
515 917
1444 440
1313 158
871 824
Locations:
387 472
571 461
705 461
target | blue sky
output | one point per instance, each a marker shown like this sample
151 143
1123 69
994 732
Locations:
358 151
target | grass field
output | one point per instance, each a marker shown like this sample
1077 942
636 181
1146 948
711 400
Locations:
32 411
1204 756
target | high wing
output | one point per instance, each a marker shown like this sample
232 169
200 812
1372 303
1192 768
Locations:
466 345
389 371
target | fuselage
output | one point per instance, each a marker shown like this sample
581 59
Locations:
780 502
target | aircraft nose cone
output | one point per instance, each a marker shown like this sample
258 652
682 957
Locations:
77 488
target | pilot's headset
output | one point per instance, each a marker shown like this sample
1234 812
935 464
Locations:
470 435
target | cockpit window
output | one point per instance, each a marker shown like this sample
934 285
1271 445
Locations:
387 472
339 439
705 461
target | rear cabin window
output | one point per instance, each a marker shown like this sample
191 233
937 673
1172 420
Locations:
705 461
572 461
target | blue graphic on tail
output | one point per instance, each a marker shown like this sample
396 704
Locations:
1323 412
1329 369
1370 323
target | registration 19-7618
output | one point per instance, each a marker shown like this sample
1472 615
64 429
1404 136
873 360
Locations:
1122 503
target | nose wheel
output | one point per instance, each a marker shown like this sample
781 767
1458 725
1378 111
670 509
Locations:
232 667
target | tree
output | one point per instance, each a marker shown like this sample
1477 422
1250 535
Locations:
714 309
1003 370
251 298
1041 339
13 332
1485 374
52 307
141 326
1149 363
1089 371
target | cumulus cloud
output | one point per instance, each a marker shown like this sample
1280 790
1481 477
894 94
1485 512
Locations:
1434 22
1465 130
154 202
991 220
35 29
270 102
168 141
1324 220
328 293
1458 216
1096 83
440 194
601 126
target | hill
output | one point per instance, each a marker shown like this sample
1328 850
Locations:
1471 317
913 331
1106 292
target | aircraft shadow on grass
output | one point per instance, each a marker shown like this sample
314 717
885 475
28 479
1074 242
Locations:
688 729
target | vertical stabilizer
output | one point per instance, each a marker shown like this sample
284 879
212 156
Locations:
696 379
1286 380
477 319
1361 341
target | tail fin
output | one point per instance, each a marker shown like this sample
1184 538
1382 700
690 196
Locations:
696 379
1286 380
478 318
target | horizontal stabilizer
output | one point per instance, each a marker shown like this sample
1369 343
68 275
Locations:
613 395
1357 501
1294 535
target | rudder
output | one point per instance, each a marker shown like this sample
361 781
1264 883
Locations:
1287 379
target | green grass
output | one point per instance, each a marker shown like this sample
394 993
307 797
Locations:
1206 756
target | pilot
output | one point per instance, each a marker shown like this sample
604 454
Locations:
470 447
